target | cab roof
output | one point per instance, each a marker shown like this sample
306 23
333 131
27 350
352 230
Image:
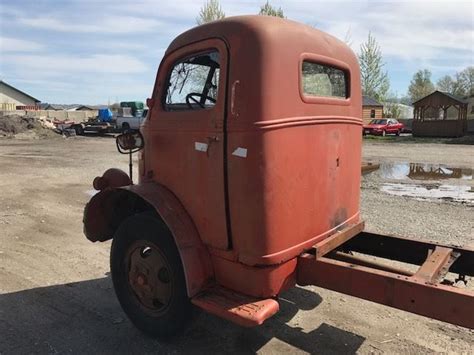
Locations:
253 29
265 56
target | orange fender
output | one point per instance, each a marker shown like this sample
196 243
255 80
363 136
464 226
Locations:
108 208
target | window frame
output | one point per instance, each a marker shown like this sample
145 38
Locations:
168 77
328 62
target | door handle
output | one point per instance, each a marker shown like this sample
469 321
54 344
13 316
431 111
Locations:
210 140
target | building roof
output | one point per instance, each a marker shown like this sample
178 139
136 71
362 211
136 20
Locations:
17 90
90 107
70 107
368 101
447 94
58 107
454 97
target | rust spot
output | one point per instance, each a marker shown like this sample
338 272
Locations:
339 217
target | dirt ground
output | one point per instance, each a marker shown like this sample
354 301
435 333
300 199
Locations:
56 295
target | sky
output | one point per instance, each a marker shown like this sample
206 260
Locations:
96 52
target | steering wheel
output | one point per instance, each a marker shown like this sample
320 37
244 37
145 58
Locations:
191 97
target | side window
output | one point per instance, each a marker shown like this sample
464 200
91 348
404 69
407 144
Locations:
324 80
372 113
193 83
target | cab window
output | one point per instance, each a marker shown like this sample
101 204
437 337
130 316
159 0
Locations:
193 83
324 80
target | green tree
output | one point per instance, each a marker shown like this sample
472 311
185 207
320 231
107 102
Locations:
464 82
420 85
392 110
405 100
468 75
210 11
268 10
445 84
375 81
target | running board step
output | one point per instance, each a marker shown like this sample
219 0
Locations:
238 308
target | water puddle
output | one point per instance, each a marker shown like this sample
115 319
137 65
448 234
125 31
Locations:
461 193
423 171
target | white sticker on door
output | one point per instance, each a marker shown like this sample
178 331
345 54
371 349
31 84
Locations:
240 152
200 147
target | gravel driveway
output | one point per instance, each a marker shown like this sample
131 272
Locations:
56 294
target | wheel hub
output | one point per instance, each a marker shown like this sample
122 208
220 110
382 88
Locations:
149 276
141 280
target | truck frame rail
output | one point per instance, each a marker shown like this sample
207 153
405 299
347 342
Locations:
352 265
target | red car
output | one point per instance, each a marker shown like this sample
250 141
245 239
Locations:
383 126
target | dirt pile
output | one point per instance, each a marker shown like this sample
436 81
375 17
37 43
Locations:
19 126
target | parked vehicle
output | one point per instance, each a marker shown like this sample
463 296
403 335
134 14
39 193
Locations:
383 127
129 117
136 107
249 183
130 122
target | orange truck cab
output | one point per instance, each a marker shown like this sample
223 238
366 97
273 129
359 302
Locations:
248 177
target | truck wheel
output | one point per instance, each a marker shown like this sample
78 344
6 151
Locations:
79 129
398 133
148 276
125 127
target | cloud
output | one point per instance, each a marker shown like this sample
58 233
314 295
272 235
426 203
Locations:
8 44
70 65
72 38
109 24
410 31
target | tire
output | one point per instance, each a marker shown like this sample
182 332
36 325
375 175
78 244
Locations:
397 133
78 129
125 127
158 313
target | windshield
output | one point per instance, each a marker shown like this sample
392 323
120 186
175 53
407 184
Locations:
378 122
193 82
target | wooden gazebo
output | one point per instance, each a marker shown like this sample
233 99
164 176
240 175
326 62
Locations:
440 115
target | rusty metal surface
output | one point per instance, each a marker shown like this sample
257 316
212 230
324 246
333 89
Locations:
236 307
185 149
298 180
352 259
108 208
442 302
149 276
436 265
337 239
408 250
267 281
197 265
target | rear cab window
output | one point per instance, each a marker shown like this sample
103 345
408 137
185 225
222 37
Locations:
193 83
323 80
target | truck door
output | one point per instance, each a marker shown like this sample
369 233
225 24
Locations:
187 134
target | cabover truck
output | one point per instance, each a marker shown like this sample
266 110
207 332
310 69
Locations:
249 184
